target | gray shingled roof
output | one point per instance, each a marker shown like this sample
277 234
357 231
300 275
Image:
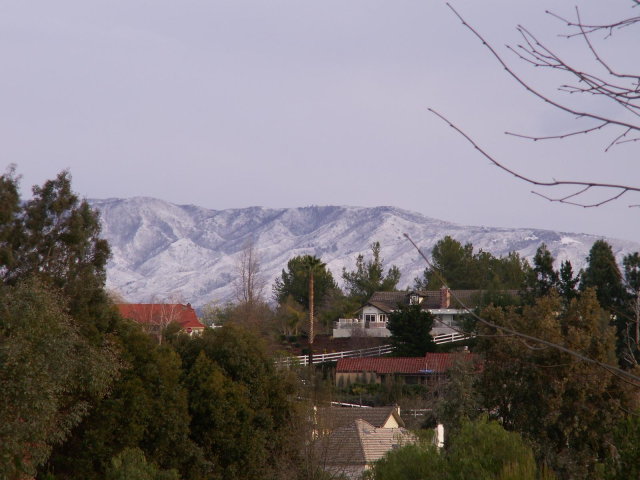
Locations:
388 301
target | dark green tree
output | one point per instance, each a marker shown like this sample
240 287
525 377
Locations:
49 375
418 461
410 328
56 237
131 464
631 264
626 463
369 276
484 450
459 399
10 221
451 261
294 281
223 422
603 275
566 407
481 450
263 396
459 267
567 282
542 278
147 408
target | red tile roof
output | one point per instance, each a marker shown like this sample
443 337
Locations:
430 363
161 313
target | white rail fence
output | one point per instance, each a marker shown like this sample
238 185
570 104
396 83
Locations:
365 352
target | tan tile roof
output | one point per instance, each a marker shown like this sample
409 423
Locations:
331 418
360 443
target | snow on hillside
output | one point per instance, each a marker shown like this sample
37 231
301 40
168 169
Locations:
164 251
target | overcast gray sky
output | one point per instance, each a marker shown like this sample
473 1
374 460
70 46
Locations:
286 103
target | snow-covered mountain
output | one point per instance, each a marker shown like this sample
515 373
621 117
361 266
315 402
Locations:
163 251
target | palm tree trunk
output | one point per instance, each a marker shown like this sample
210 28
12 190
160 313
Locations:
310 318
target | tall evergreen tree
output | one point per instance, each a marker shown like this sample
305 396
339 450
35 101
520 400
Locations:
567 407
451 261
369 276
631 264
542 278
410 328
567 282
603 275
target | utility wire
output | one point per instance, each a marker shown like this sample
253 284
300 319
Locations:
635 380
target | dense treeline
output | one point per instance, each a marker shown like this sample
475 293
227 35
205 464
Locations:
86 394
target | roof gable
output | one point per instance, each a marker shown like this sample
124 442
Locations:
360 443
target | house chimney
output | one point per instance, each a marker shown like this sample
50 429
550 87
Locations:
445 297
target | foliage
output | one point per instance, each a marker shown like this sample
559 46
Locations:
369 276
484 450
248 435
56 237
567 282
222 422
419 461
631 314
131 464
410 328
625 463
147 409
461 268
481 450
459 400
565 406
602 274
542 278
294 281
49 374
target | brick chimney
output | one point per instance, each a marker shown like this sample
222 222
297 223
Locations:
445 297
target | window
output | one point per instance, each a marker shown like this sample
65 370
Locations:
370 317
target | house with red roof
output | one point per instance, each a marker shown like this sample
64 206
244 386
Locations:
429 369
155 317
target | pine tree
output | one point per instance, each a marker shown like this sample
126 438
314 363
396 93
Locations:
369 276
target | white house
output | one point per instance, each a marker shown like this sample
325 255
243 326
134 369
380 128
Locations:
448 307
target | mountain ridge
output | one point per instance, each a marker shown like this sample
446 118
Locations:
163 251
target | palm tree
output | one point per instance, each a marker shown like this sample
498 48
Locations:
312 265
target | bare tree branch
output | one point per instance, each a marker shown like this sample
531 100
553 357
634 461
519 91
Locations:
621 89
585 186
536 53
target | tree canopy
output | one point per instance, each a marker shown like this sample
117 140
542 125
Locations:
294 281
410 328
369 276
462 268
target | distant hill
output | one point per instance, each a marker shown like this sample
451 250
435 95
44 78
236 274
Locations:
161 250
